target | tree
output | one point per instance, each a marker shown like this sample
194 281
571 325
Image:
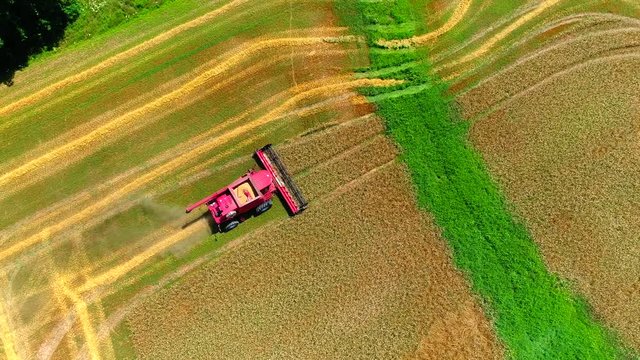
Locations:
28 27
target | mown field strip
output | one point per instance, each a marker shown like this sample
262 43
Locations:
135 118
65 155
454 48
140 62
128 78
458 14
121 270
94 70
492 41
182 159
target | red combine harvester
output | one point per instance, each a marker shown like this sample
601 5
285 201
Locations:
252 193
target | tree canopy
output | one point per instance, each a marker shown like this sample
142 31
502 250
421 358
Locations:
28 27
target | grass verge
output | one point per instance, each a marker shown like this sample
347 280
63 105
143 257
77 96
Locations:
534 312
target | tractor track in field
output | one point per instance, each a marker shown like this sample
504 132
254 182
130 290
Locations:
65 324
502 34
7 334
67 154
457 16
92 71
552 77
181 160
563 55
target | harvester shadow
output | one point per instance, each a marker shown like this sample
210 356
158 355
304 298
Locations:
213 227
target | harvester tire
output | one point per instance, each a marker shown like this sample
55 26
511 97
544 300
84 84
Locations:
230 225
263 207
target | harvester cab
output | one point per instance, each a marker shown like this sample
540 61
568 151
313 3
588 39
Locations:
252 193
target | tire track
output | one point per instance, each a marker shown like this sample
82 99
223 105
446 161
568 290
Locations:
82 313
185 158
66 155
458 14
119 58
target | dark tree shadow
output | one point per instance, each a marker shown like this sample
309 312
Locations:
28 27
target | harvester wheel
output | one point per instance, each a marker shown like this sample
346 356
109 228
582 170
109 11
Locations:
263 207
230 225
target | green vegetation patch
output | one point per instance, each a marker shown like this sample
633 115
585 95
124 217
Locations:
98 16
534 312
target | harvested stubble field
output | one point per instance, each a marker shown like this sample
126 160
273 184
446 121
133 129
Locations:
300 291
555 112
99 156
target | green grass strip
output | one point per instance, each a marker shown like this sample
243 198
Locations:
535 314
412 90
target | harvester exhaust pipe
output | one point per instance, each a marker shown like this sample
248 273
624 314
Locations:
288 189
